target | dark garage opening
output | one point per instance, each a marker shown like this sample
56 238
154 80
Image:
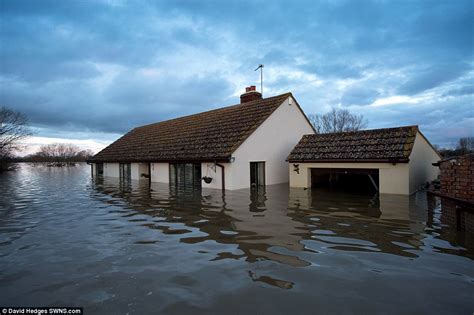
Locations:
364 181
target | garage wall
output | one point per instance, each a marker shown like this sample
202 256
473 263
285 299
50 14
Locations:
270 143
111 170
421 158
160 172
393 179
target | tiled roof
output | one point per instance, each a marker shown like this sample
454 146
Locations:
207 136
377 145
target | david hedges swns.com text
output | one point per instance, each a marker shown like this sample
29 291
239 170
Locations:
40 310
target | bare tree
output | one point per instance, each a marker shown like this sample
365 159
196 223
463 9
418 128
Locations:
337 120
59 154
85 154
13 129
466 145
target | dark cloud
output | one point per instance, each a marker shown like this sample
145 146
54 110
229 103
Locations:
465 90
128 102
359 95
341 70
432 77
442 121
107 66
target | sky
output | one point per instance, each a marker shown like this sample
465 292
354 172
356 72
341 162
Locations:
86 72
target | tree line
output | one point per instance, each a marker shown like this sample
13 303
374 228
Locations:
14 129
464 146
58 154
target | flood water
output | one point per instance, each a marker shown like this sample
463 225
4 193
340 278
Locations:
68 240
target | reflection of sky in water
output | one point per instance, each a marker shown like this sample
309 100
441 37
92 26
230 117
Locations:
104 245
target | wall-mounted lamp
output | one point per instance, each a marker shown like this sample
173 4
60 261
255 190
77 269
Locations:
296 168
232 159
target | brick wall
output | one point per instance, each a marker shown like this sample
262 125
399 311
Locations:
457 177
457 216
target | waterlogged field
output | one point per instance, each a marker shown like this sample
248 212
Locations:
68 240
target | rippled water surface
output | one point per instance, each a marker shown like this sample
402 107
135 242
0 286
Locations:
68 240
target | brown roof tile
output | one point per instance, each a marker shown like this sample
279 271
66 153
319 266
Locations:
389 144
208 136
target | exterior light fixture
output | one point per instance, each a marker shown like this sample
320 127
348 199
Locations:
296 168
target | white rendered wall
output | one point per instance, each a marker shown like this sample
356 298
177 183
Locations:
94 167
137 169
421 158
270 143
208 169
143 169
111 170
393 179
160 172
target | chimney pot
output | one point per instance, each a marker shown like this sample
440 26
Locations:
250 94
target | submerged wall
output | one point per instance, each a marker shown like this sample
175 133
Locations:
111 170
160 172
214 171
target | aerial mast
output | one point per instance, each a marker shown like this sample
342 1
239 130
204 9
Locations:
260 66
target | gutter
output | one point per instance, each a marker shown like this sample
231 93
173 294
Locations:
223 160
223 174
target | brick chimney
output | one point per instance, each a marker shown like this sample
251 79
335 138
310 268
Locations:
250 94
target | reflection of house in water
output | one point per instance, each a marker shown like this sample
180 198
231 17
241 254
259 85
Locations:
383 222
280 223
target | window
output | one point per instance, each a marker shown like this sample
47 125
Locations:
99 169
125 170
185 175
257 174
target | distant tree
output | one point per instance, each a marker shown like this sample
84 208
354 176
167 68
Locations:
466 145
13 129
337 120
59 154
85 154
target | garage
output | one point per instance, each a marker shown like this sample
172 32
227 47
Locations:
388 161
364 181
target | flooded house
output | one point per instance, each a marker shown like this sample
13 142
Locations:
390 160
230 148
